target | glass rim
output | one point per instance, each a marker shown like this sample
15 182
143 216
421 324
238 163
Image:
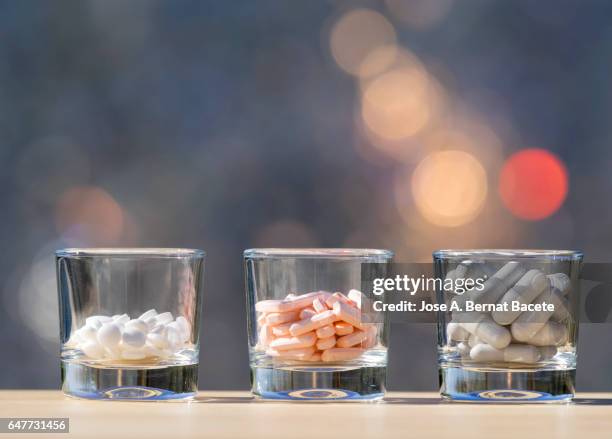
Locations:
509 253
127 252
323 253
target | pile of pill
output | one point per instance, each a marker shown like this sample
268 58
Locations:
507 334
317 326
121 338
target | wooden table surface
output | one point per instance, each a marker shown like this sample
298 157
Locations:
220 415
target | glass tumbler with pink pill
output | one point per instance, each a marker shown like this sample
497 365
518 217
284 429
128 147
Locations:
309 338
129 322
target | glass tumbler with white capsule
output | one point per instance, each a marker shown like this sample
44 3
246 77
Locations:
511 325
129 322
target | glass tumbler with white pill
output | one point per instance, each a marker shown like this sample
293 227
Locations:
509 330
129 322
308 337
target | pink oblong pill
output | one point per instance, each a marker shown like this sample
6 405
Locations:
307 313
352 339
297 342
338 297
315 357
285 305
370 341
341 354
326 331
276 318
343 328
314 322
348 314
326 343
265 335
358 298
281 330
292 354
319 306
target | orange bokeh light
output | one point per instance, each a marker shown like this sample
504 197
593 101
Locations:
533 184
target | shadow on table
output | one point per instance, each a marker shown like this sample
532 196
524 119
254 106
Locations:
203 399
592 401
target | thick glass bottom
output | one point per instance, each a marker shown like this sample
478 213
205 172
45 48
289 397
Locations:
148 383
330 383
500 385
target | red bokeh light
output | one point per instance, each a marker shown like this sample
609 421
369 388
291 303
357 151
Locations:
533 184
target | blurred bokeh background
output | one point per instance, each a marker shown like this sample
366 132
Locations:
403 124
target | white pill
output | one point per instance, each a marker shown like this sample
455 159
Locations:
157 329
525 291
93 350
133 337
455 332
157 340
552 334
164 318
152 351
185 326
173 337
497 285
121 319
133 354
96 321
109 335
483 327
514 353
147 314
137 324
112 353
88 333
560 281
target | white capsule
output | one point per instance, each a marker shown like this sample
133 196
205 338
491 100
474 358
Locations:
473 341
463 349
109 335
528 287
133 337
121 319
552 334
455 332
88 333
133 354
561 282
483 327
514 353
96 321
497 285
547 352
562 306
137 324
530 322
93 350
147 314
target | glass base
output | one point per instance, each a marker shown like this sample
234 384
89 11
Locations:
498 385
319 383
146 383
